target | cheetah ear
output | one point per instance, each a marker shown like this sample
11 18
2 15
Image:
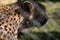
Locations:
29 8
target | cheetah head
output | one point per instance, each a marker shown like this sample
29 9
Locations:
33 16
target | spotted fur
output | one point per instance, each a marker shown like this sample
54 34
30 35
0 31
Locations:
9 23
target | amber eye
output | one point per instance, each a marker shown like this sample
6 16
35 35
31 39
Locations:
28 22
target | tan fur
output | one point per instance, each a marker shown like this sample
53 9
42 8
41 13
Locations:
8 20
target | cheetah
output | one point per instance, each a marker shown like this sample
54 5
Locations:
11 20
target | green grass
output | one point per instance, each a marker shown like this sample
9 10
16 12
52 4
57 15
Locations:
50 7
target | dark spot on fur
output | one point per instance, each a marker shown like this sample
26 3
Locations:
5 29
14 14
2 22
10 24
8 32
10 29
6 20
14 19
5 26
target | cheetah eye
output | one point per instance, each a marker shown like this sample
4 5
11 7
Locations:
28 22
